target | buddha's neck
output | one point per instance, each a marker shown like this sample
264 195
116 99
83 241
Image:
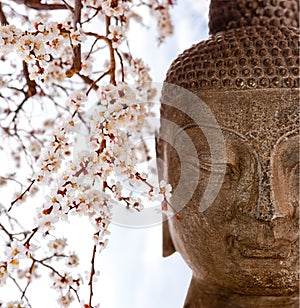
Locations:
199 297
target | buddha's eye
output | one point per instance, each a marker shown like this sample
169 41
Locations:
231 172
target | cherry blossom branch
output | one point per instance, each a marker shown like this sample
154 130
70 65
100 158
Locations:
2 16
122 65
112 54
76 66
13 236
112 69
165 202
92 273
37 5
8 178
7 232
94 83
63 277
34 231
30 83
22 291
21 196
88 81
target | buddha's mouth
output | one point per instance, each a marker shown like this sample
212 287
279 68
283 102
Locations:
278 251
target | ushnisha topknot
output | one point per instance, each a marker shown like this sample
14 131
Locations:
232 14
245 56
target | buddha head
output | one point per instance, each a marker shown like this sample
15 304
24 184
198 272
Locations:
244 244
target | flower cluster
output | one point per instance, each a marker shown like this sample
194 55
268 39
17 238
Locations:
13 304
114 8
39 47
116 35
77 80
161 11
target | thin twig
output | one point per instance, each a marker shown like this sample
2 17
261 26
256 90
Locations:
21 196
57 273
34 231
7 232
94 83
20 289
122 65
92 273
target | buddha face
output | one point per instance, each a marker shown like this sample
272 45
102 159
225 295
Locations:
246 241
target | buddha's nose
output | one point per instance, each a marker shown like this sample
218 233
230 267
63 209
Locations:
265 209
272 201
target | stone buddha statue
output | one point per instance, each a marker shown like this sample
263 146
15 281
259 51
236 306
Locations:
243 247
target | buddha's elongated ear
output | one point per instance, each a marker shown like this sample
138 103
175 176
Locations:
168 246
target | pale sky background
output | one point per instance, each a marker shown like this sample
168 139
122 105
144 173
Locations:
133 273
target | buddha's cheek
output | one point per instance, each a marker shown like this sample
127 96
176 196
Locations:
202 238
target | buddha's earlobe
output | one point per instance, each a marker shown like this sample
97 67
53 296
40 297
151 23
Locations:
168 245
167 242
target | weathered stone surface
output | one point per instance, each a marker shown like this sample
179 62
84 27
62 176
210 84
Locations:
244 248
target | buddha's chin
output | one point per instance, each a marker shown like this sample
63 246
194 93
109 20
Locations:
257 282
259 273
264 284
261 277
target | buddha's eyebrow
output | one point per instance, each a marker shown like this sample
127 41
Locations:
221 128
194 125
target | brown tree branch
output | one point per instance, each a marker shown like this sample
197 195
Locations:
95 82
21 196
88 81
76 66
7 232
3 19
122 65
37 5
112 55
20 289
92 273
30 83
42 262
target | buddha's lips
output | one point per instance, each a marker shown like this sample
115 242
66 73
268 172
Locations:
279 251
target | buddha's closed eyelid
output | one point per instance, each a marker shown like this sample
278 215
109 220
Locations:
229 168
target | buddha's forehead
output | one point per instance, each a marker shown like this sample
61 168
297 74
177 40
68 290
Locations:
261 116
